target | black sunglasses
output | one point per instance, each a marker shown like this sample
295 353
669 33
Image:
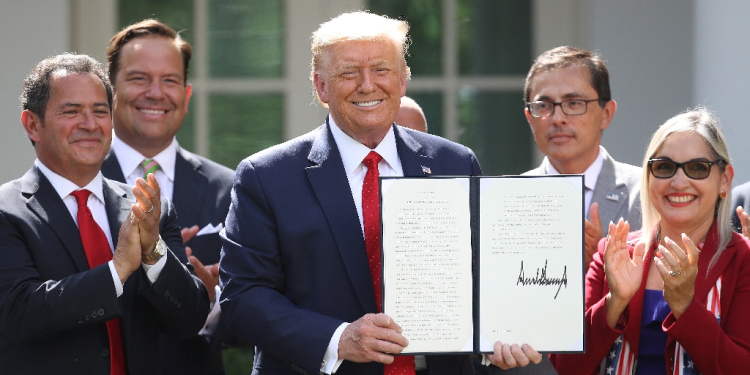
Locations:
695 169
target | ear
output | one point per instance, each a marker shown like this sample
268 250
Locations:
402 82
608 113
188 94
31 123
727 177
528 114
321 88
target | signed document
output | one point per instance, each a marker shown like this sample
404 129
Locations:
468 261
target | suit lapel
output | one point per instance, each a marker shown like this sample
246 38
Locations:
117 208
413 162
610 193
187 172
330 184
44 201
111 167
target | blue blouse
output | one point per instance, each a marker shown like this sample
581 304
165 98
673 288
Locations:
653 339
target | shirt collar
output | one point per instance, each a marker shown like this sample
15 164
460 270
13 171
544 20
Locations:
130 158
591 174
64 187
353 152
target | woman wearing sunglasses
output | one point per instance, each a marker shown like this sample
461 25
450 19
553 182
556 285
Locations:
673 298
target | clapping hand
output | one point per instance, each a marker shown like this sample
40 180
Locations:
624 274
678 269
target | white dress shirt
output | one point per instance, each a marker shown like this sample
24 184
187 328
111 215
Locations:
95 203
130 162
352 154
591 175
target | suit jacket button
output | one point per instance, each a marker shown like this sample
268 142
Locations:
171 298
101 312
179 304
105 353
88 317
166 293
94 314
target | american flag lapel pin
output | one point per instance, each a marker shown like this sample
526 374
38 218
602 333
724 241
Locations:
426 170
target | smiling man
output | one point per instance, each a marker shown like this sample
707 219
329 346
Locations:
568 106
301 257
93 270
148 65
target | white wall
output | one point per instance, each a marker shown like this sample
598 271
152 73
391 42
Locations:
722 72
30 30
648 46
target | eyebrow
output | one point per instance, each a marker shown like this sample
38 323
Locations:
571 95
133 72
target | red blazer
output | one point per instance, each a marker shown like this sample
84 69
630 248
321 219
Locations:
715 348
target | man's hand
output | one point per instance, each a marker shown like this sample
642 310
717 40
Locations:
148 211
511 355
371 338
208 274
594 233
189 233
127 256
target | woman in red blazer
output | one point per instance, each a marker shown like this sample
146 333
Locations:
673 298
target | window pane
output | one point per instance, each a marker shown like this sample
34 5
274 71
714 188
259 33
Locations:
177 14
494 37
425 18
246 38
243 124
432 105
493 125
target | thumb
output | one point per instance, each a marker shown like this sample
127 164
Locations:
639 253
594 215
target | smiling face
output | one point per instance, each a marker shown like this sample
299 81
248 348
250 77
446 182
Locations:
687 205
570 142
362 82
151 98
75 133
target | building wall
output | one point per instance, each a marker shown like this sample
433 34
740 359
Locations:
30 30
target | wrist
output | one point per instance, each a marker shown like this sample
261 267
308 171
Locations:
159 250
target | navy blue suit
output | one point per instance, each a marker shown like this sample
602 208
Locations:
294 264
201 197
53 307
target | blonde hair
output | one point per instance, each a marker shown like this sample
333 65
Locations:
699 121
358 26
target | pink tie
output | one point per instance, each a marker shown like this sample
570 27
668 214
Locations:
402 365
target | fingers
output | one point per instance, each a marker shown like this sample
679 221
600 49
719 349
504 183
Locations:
149 198
371 338
214 269
508 356
744 221
189 233
616 238
692 251
594 215
639 254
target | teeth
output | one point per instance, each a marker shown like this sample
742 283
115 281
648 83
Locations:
367 104
152 111
681 199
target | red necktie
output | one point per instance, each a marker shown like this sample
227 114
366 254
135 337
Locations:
98 252
402 365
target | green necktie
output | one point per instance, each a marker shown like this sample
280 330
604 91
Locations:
149 166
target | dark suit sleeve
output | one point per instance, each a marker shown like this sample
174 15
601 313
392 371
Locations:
178 297
253 303
32 308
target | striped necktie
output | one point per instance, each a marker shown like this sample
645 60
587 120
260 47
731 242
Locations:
149 166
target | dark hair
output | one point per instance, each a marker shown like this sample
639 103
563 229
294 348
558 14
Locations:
36 87
147 27
563 57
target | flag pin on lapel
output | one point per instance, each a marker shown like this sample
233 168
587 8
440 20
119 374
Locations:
426 170
613 197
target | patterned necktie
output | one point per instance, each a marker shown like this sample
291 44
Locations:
402 365
149 166
98 252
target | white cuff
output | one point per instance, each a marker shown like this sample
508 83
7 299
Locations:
331 361
115 277
153 270
213 316
485 360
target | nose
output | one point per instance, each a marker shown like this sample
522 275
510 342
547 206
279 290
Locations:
366 84
680 180
557 116
155 90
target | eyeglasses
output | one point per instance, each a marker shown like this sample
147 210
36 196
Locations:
695 169
570 107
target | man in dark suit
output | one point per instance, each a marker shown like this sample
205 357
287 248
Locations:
300 279
76 297
148 63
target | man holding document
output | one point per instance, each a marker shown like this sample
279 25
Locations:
301 261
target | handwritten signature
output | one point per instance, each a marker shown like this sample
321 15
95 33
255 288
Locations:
541 278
